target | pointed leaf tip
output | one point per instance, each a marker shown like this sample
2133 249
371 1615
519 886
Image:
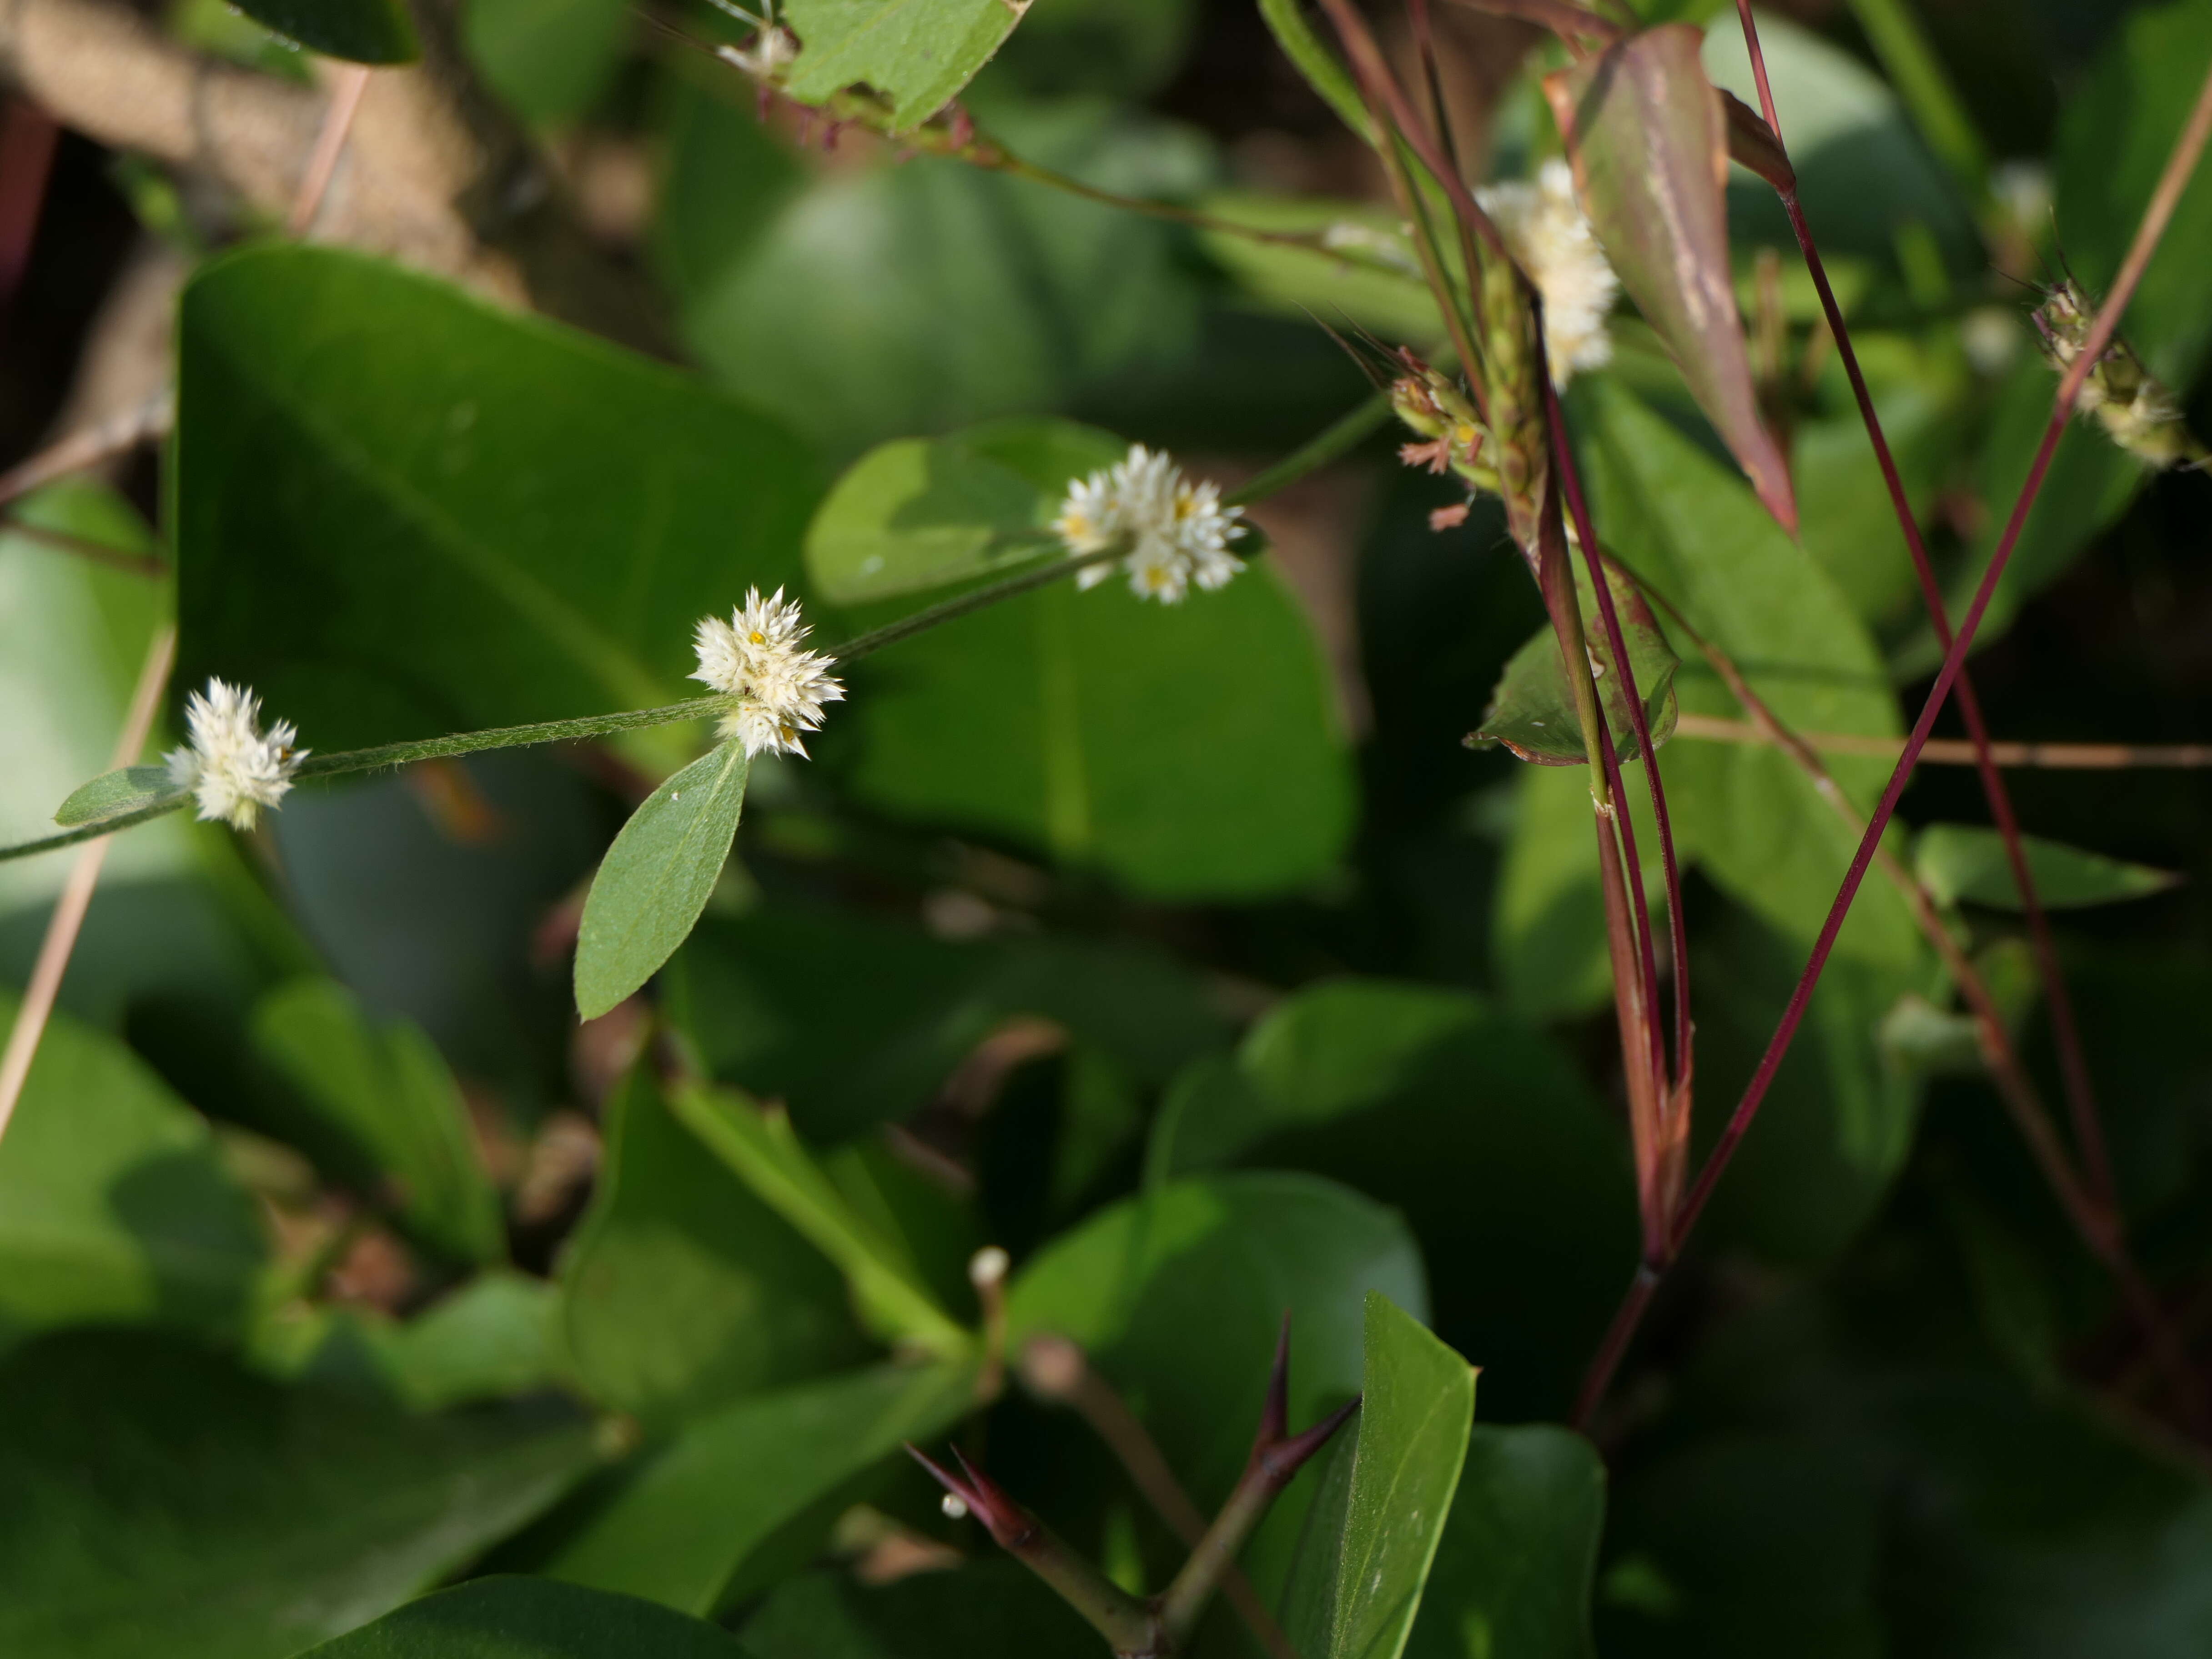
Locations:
1648 138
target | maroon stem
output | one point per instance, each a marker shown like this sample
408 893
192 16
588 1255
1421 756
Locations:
2179 168
1571 482
1618 1336
2081 1091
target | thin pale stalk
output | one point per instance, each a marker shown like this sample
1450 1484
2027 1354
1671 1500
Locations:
68 919
348 83
2179 168
2074 1067
101 442
1951 752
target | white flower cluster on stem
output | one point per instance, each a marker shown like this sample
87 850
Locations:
755 657
233 768
1544 226
1178 532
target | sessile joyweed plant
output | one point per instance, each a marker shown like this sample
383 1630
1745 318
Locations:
1567 355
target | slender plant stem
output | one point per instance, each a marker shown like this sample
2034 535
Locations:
68 918
90 446
1927 91
1950 751
1338 439
136 564
1613 1347
2073 1060
348 83
1573 24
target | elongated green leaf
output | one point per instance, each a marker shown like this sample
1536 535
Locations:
1957 861
918 53
1467 1121
1416 1406
162 1500
682 1290
402 513
918 512
1514 1571
1323 71
658 876
366 31
113 1203
760 1146
530 1619
390 1116
1649 142
682 1529
1532 710
1371 279
114 795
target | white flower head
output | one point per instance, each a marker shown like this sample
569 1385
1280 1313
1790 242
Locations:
1178 532
755 657
1545 226
232 767
774 48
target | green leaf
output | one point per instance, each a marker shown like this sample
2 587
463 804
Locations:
853 1021
918 512
114 1204
1011 296
530 1619
1513 1572
1177 1296
1117 48
387 1113
1957 861
1547 938
402 513
366 31
1323 71
917 53
160 1499
1645 130
760 1146
681 1530
116 794
1190 750
491 1339
551 60
1532 711
1357 284
1467 1122
658 876
1416 1406
682 1289
987 1606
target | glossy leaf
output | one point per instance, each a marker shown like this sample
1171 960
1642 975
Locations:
682 1289
115 794
1645 132
160 1499
388 1110
681 1529
530 1619
402 513
1467 1121
760 1146
114 1204
993 1607
877 302
1514 1571
366 31
658 876
1416 1406
1178 1296
1532 711
1957 861
919 512
917 53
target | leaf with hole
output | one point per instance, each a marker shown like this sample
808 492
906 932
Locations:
658 876
1648 141
1960 862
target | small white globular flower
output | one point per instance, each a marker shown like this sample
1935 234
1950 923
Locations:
232 767
755 657
773 48
1545 226
1177 532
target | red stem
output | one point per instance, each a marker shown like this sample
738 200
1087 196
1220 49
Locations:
2179 168
2081 1092
1571 482
1618 1336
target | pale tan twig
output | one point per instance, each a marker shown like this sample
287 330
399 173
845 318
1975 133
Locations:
348 83
101 442
76 892
1955 751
